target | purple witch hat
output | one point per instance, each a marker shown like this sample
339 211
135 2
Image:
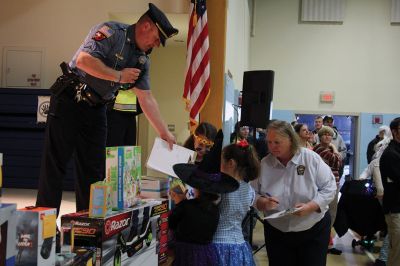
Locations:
207 176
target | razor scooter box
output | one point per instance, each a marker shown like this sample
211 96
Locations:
135 236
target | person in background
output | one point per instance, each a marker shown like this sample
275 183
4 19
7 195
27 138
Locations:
332 158
294 177
384 131
303 133
121 120
337 140
239 161
76 124
240 133
390 173
260 144
328 151
311 139
194 222
372 170
318 123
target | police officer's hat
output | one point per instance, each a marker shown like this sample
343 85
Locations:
165 28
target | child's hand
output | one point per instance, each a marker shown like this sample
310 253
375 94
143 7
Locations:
176 198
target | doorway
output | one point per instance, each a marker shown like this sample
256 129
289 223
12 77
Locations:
347 126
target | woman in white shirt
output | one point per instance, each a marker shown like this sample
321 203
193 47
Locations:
294 177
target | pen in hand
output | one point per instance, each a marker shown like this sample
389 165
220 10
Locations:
271 198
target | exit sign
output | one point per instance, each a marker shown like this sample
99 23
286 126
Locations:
326 97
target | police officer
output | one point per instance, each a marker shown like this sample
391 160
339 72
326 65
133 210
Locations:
111 56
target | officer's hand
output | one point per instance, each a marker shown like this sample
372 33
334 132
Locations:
129 75
267 203
169 137
306 208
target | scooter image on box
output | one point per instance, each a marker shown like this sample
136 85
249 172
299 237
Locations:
133 246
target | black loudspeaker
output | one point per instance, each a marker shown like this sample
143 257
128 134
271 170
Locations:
256 98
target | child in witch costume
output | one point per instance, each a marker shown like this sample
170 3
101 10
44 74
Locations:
195 221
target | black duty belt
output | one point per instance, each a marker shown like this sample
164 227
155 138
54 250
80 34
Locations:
81 92
84 93
72 86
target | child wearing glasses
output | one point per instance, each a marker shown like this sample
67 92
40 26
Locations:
201 141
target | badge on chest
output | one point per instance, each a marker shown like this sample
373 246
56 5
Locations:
301 169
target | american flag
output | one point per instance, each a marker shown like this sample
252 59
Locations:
197 81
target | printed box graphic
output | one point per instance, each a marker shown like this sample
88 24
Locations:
134 236
36 236
100 199
123 172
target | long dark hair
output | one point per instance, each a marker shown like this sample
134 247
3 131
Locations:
247 162
205 129
298 127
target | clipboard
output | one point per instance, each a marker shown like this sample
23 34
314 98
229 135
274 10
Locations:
283 213
162 158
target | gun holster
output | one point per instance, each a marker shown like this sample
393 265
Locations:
67 79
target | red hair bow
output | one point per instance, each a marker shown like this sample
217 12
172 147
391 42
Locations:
243 143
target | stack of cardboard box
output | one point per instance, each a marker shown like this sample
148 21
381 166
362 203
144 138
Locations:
154 187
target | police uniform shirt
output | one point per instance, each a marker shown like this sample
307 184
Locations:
113 43
306 177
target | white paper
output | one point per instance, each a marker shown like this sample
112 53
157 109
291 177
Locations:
282 213
162 158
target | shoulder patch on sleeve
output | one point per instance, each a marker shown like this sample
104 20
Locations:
103 33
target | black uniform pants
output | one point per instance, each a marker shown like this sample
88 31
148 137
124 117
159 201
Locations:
305 248
121 129
78 130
